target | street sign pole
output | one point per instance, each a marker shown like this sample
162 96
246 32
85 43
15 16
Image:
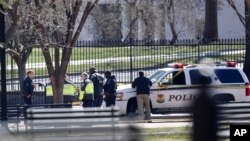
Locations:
3 68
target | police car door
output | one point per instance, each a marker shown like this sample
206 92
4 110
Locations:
172 93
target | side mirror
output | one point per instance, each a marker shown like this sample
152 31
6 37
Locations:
164 82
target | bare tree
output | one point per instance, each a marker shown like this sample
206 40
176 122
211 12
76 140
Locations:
107 17
246 68
45 27
245 20
233 6
19 36
129 18
141 21
182 17
159 16
171 18
39 23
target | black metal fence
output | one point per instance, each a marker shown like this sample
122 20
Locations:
124 59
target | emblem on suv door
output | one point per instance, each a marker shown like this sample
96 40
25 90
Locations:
160 98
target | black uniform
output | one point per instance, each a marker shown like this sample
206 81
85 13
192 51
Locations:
110 91
97 80
88 98
28 90
142 85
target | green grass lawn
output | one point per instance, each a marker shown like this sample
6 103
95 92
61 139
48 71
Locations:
142 63
87 53
174 134
100 53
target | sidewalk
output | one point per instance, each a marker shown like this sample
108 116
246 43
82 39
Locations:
5 135
22 127
158 125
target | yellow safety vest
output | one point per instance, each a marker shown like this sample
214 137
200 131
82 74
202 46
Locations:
68 89
89 89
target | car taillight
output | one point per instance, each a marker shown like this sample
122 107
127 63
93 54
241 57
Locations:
247 89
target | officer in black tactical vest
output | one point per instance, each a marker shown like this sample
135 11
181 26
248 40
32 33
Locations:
97 80
110 87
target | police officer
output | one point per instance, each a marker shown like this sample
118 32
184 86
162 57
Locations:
87 89
142 85
110 89
28 87
97 80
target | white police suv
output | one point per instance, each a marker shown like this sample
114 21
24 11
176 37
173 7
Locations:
175 88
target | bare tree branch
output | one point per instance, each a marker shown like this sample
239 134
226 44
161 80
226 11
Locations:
72 20
88 9
41 35
68 51
241 18
12 29
12 52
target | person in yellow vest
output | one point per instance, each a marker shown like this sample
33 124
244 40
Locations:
87 91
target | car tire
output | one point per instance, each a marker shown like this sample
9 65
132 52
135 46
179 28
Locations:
223 98
132 108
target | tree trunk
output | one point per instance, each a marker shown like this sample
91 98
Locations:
246 67
59 83
141 26
57 86
159 14
169 8
126 20
211 21
173 31
21 75
57 73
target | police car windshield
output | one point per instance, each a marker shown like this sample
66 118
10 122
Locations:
156 76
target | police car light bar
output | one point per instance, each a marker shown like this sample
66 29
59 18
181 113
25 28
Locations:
180 65
177 65
231 64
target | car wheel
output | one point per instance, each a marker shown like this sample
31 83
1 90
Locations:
132 109
223 99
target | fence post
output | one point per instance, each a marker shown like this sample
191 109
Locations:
11 73
3 68
45 94
198 45
131 59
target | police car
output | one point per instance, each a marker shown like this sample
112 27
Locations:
175 88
